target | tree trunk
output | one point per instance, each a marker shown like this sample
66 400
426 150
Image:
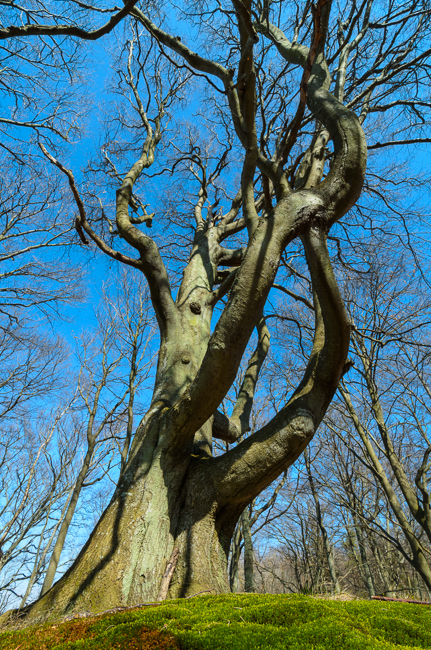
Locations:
248 552
328 546
353 544
234 560
417 558
65 524
332 568
383 571
160 503
362 550
173 493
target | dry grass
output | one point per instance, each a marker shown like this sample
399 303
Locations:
50 636
343 596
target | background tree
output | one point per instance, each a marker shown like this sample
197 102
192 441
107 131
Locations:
114 363
390 345
53 462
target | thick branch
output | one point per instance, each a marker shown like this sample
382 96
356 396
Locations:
231 429
223 289
229 257
253 464
195 60
342 186
224 429
235 206
69 30
244 403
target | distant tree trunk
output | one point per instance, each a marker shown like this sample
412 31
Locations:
67 520
327 544
234 560
417 558
248 552
383 571
365 575
363 554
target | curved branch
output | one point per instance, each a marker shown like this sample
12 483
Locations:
342 186
224 429
195 60
231 429
247 298
244 403
151 262
223 289
81 222
69 30
252 465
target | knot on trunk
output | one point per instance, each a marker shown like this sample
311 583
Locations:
195 307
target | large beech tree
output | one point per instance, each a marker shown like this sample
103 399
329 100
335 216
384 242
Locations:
300 159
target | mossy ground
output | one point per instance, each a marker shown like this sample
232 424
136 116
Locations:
239 622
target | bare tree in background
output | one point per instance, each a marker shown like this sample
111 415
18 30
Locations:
387 402
37 467
115 363
50 460
40 44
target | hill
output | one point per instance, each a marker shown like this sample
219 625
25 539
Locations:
237 622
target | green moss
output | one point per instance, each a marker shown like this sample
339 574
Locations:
240 622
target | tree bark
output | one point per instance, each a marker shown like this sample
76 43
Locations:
248 552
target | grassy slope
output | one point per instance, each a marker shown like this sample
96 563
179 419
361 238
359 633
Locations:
239 622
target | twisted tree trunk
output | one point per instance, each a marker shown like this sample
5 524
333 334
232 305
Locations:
173 493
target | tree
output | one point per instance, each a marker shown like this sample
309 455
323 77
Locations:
242 539
371 465
303 537
53 459
373 462
175 501
115 361
391 349
37 460
34 282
